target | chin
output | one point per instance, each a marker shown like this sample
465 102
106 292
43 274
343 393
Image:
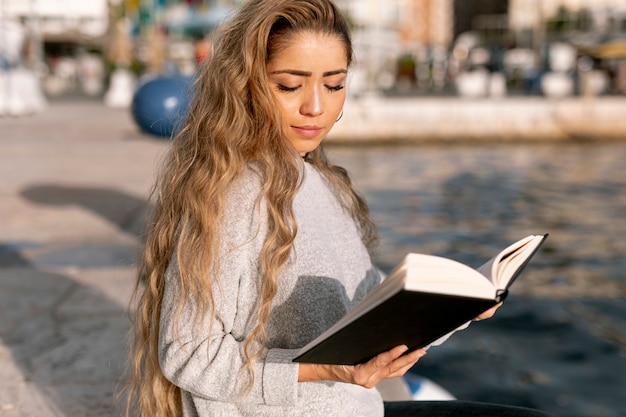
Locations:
308 147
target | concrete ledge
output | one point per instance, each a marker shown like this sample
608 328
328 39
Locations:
378 119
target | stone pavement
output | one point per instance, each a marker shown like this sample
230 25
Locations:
73 181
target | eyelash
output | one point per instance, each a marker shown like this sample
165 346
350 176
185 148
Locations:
331 88
287 89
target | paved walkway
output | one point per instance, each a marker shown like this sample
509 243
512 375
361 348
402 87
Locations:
73 180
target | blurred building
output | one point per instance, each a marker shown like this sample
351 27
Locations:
485 15
580 43
497 46
403 46
505 46
60 20
63 42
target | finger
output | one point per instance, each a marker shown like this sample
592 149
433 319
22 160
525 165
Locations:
377 368
489 313
401 371
399 366
372 372
385 358
406 361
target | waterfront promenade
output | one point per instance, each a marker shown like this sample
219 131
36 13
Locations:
452 119
73 184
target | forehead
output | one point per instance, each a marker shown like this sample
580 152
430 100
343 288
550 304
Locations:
310 49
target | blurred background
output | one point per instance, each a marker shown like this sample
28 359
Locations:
416 47
470 123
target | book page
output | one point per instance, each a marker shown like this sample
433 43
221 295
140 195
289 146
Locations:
440 275
504 267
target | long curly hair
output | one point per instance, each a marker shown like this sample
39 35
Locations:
232 123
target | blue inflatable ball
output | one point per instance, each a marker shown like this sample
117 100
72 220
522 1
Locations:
160 104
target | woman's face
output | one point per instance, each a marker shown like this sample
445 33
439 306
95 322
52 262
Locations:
308 79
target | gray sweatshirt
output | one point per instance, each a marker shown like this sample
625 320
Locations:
328 272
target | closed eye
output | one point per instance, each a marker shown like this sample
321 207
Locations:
334 87
331 88
287 89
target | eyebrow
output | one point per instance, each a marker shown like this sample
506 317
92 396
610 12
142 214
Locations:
308 73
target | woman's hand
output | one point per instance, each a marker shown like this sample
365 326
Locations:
388 364
489 313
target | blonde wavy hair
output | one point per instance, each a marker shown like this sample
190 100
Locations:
232 123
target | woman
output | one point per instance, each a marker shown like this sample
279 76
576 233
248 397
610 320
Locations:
257 244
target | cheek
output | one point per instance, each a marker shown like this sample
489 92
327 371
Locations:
338 105
338 102
285 106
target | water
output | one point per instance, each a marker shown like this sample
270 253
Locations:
560 341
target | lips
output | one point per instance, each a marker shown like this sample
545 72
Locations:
307 131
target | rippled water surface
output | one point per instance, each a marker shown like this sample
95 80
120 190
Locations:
560 341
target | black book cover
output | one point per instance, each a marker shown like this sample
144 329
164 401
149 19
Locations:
415 319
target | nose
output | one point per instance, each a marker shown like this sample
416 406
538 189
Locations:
312 103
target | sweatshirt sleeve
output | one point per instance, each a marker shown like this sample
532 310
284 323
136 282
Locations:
205 356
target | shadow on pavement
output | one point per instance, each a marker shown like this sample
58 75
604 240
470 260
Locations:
11 258
121 209
63 333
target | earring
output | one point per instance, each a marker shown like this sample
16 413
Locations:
340 116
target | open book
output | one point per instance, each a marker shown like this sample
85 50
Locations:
423 298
